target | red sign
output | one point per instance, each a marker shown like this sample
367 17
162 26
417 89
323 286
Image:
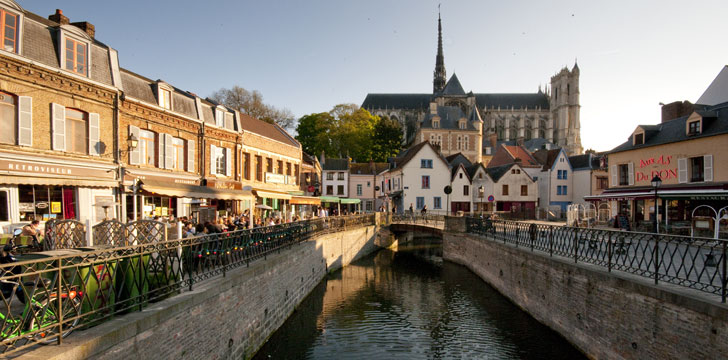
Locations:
664 174
491 198
311 188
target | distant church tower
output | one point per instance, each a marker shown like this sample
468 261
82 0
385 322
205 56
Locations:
440 78
564 104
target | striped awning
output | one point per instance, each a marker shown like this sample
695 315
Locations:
193 191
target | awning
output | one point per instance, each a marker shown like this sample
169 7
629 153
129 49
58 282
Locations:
329 199
305 200
271 194
350 201
23 180
193 191
695 194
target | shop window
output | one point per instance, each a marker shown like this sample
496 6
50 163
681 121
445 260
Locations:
697 173
329 190
258 168
466 190
178 154
4 206
341 176
420 202
76 56
8 118
524 190
358 189
425 182
46 202
437 202
505 189
340 190
147 148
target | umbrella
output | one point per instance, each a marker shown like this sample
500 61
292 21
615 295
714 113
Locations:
264 207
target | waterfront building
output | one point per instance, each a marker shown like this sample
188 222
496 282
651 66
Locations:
510 154
555 180
461 201
362 183
590 178
688 155
483 195
514 190
461 122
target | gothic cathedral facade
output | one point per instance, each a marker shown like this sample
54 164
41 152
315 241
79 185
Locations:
470 123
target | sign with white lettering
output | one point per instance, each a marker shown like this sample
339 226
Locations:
53 169
275 178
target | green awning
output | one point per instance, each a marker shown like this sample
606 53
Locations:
350 201
330 199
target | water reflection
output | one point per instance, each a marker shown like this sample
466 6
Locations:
410 305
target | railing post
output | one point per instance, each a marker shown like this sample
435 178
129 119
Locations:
576 244
59 301
725 278
655 258
609 252
518 232
551 240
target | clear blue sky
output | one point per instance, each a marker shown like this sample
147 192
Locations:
311 55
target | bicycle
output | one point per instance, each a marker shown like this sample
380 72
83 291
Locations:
39 319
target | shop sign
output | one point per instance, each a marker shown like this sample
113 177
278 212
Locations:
710 197
227 185
166 179
56 207
26 207
275 178
41 205
31 167
665 174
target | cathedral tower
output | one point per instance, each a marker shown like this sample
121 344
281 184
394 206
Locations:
565 108
438 84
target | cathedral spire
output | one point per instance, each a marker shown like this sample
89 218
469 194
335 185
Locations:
438 84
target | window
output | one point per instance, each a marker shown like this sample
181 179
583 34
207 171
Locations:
340 190
694 128
602 183
564 190
466 190
280 166
329 176
76 136
564 175
462 125
178 154
269 165
696 169
466 141
8 116
505 189
288 169
461 175
220 118
358 189
426 163
246 166
420 202
425 181
435 124
437 202
76 60
341 176
558 174
480 176
369 184
4 205
165 98
9 31
639 139
369 206
623 174
329 190
221 161
146 147
524 190
558 190
46 202
295 170
258 168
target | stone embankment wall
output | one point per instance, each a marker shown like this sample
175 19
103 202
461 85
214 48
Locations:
229 317
606 315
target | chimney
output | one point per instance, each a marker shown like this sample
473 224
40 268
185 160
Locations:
323 158
58 17
676 109
87 27
493 139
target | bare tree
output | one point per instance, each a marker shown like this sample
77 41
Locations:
251 103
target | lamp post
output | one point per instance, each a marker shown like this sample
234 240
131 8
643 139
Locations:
131 144
656 182
481 193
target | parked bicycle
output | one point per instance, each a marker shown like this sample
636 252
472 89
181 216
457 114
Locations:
39 320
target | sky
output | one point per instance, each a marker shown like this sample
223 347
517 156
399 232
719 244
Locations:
308 56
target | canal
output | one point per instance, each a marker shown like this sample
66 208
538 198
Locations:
409 304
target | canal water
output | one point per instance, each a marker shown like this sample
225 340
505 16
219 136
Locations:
409 304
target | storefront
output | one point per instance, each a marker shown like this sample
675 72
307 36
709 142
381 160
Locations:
305 206
350 206
44 188
332 204
271 203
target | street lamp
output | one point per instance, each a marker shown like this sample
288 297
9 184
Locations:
481 193
656 182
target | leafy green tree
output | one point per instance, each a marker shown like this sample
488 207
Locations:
316 132
387 139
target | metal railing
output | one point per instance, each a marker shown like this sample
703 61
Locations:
49 296
696 263
433 220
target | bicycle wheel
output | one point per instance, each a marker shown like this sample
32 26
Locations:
46 315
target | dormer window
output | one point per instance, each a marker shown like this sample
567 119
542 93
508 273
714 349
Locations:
165 98
639 139
462 125
694 128
219 118
76 59
9 23
436 124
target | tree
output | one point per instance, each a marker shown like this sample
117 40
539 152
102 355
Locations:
316 132
251 103
387 139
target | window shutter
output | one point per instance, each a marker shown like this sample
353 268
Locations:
168 152
160 150
191 155
25 121
228 162
213 163
135 153
93 134
708 167
58 122
682 170
631 173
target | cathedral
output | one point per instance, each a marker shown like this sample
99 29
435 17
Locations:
471 123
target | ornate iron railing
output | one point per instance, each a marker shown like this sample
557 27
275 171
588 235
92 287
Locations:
68 289
696 263
434 220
